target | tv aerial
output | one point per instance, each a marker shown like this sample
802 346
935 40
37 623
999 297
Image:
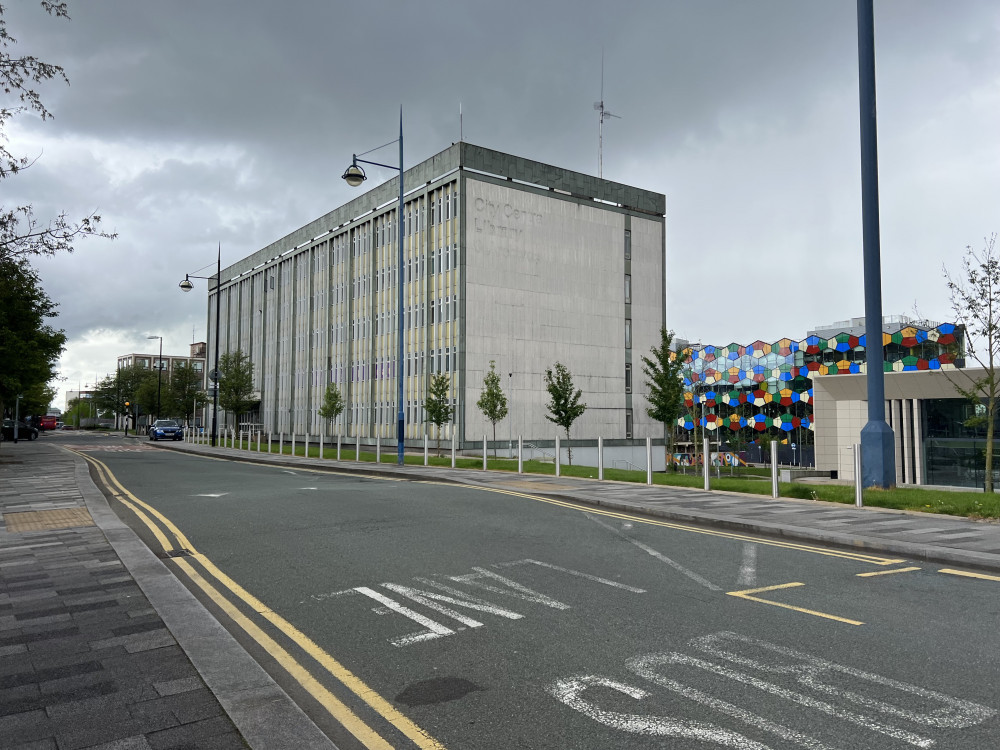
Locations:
604 115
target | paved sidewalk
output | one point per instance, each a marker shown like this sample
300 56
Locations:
101 647
920 536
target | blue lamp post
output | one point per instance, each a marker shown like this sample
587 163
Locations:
878 446
354 176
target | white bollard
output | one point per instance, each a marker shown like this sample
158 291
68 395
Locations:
774 469
558 457
520 455
484 453
454 446
706 464
321 445
600 458
649 460
859 492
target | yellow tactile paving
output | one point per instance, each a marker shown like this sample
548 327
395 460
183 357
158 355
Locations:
47 520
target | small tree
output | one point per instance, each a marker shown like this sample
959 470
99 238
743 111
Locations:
333 403
666 388
975 300
437 405
565 407
236 391
492 401
184 391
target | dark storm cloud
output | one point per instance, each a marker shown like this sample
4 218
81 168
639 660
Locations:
190 124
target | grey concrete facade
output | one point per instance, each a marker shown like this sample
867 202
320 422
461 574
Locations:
506 260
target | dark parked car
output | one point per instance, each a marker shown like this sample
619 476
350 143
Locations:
23 431
166 429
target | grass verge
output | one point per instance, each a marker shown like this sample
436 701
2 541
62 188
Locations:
927 500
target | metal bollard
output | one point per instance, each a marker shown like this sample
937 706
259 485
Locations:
859 493
774 469
600 458
649 460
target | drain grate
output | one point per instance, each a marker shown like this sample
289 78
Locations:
174 553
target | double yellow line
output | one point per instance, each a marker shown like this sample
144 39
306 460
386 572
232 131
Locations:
336 708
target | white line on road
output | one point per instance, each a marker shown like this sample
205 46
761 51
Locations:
748 570
661 557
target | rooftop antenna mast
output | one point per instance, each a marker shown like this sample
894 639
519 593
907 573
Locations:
599 106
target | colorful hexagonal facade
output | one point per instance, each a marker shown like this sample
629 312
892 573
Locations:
763 386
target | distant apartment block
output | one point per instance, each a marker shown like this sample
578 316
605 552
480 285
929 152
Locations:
195 358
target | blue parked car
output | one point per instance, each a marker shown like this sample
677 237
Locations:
166 429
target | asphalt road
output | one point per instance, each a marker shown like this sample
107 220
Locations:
416 614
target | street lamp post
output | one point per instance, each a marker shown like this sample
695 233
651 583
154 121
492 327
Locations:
159 374
354 176
187 286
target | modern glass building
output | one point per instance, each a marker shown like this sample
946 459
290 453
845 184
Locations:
507 260
769 386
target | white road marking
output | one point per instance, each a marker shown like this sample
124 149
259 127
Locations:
748 570
570 691
954 713
701 581
433 629
514 588
646 666
550 566
430 600
804 700
308 488
212 494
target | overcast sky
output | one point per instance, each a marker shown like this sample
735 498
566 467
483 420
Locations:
187 124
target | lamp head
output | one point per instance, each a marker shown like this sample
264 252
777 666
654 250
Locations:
186 285
354 175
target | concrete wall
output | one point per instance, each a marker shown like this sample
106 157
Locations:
545 283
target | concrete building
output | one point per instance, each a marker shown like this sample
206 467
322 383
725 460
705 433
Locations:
195 358
506 260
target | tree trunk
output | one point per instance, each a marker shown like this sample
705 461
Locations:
991 405
569 450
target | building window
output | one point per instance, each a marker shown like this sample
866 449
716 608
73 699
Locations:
628 244
628 333
628 378
628 424
628 289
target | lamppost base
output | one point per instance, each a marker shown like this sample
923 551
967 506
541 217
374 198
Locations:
878 455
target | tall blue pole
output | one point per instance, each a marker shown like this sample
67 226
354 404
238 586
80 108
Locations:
878 448
400 369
